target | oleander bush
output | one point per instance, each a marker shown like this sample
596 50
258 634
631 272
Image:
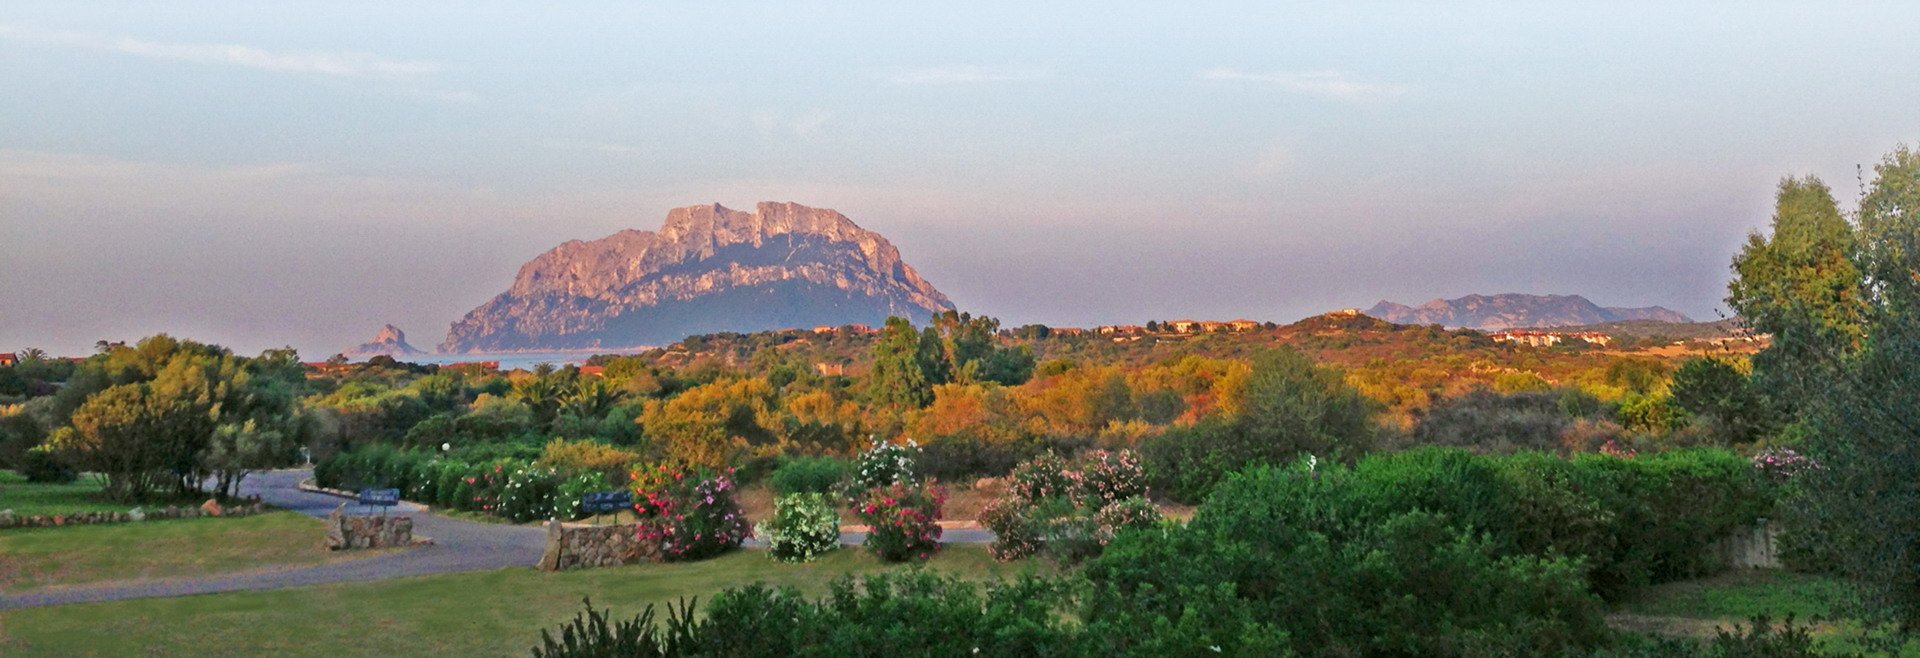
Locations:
804 526
566 499
528 494
903 520
688 510
886 464
1069 510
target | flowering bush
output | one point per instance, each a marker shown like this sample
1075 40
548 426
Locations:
566 501
1072 513
1111 477
528 494
886 464
689 511
1614 448
803 527
1780 465
904 520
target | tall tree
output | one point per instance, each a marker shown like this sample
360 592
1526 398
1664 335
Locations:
898 378
1801 285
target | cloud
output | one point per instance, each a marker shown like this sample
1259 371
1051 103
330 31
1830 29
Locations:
963 74
336 63
1336 85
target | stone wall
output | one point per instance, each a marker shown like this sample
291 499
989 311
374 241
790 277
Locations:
9 520
357 532
1757 547
577 546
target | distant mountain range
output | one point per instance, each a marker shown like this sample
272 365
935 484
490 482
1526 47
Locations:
708 269
1510 311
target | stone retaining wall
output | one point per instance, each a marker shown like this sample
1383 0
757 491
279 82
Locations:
1757 547
576 546
9 520
358 532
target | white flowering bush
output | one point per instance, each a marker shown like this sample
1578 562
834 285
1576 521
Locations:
528 494
804 527
886 464
1071 511
566 501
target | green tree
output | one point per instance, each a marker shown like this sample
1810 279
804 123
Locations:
1801 285
898 378
1295 406
1717 389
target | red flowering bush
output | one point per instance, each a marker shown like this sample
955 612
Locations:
904 520
690 511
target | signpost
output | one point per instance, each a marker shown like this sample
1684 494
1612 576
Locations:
606 502
381 498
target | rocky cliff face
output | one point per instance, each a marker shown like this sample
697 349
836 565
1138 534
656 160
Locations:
1493 312
708 269
391 341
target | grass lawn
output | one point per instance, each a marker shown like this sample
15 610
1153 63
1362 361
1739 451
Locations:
1699 607
83 495
41 557
488 613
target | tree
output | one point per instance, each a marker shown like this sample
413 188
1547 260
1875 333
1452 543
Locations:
1843 305
898 378
1294 406
109 435
1715 388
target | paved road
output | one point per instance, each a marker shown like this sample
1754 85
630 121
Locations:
458 545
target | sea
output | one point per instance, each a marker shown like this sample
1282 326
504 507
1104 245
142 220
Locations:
515 360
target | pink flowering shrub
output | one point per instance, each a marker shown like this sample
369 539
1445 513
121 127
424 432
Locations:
904 520
690 511
1780 465
1070 511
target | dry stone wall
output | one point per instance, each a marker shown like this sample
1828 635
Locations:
9 520
358 532
576 546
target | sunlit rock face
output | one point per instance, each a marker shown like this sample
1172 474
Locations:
708 269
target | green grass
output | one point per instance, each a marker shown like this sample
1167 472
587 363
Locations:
489 613
1743 594
83 495
42 557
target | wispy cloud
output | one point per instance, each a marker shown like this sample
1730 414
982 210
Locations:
331 63
1336 85
963 74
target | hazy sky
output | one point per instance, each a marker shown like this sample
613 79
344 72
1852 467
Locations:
262 174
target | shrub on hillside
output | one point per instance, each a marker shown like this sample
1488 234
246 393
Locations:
903 520
689 511
798 475
1487 421
958 458
804 526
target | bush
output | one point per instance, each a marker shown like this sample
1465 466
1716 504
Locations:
804 526
528 494
566 501
1069 511
886 464
957 458
798 475
903 520
41 465
1269 561
572 457
690 511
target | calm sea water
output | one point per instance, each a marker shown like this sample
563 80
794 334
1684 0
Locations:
514 360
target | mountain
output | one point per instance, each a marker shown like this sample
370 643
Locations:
708 269
1515 310
391 341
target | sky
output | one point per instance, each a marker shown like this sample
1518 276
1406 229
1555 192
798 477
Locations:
300 173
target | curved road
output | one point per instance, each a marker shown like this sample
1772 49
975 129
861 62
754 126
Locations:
458 545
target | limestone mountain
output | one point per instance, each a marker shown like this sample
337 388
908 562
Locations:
1507 311
391 341
708 269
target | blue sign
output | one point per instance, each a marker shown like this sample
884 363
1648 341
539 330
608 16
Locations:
380 497
606 502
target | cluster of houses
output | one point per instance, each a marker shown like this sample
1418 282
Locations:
1171 327
8 359
846 330
1531 338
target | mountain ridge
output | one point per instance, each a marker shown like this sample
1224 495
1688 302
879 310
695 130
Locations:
708 268
1517 310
